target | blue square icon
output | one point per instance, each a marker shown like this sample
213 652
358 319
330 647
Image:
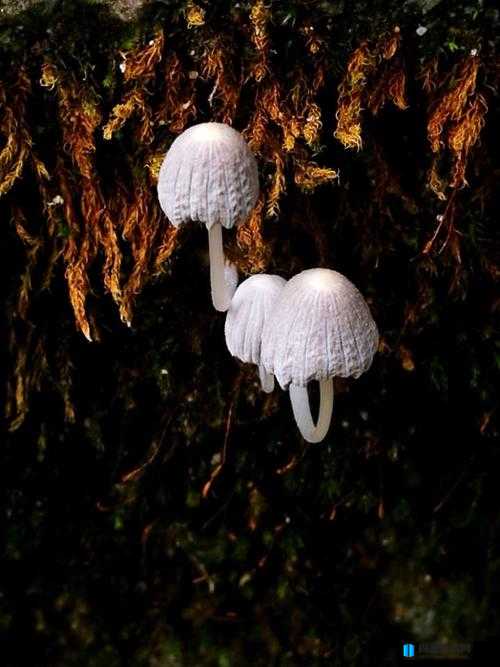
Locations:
409 650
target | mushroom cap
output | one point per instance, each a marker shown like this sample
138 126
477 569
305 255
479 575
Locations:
320 327
251 305
210 175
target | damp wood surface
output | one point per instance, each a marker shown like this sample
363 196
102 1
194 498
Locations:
159 508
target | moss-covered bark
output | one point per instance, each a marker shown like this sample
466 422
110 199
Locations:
126 542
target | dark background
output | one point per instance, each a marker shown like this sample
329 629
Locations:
386 532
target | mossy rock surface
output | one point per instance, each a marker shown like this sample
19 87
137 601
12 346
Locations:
160 509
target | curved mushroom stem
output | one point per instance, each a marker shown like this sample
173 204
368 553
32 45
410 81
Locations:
220 293
266 380
302 410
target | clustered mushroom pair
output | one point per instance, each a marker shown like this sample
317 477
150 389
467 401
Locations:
314 327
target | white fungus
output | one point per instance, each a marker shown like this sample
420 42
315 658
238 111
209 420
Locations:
250 308
210 175
320 327
230 278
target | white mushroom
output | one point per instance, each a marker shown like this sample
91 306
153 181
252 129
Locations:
230 278
209 175
251 306
320 327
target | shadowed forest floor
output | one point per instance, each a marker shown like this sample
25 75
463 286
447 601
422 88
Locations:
375 125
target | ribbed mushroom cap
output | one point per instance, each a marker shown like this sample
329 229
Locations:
320 327
208 175
251 306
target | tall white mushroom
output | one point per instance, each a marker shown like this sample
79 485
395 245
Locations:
250 308
210 175
320 327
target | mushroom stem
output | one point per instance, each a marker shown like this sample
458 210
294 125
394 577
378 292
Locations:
302 410
220 293
266 380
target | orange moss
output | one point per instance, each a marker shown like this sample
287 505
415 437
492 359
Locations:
308 175
26 353
305 108
153 165
276 108
291 132
64 369
185 110
50 203
313 124
278 184
451 105
140 63
456 118
14 127
259 18
390 44
435 182
463 135
254 254
19 380
429 75
133 102
314 44
390 86
256 131
348 115
33 245
319 77
178 103
195 15
167 243
79 251
80 117
140 222
271 102
354 93
396 88
217 65
139 67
